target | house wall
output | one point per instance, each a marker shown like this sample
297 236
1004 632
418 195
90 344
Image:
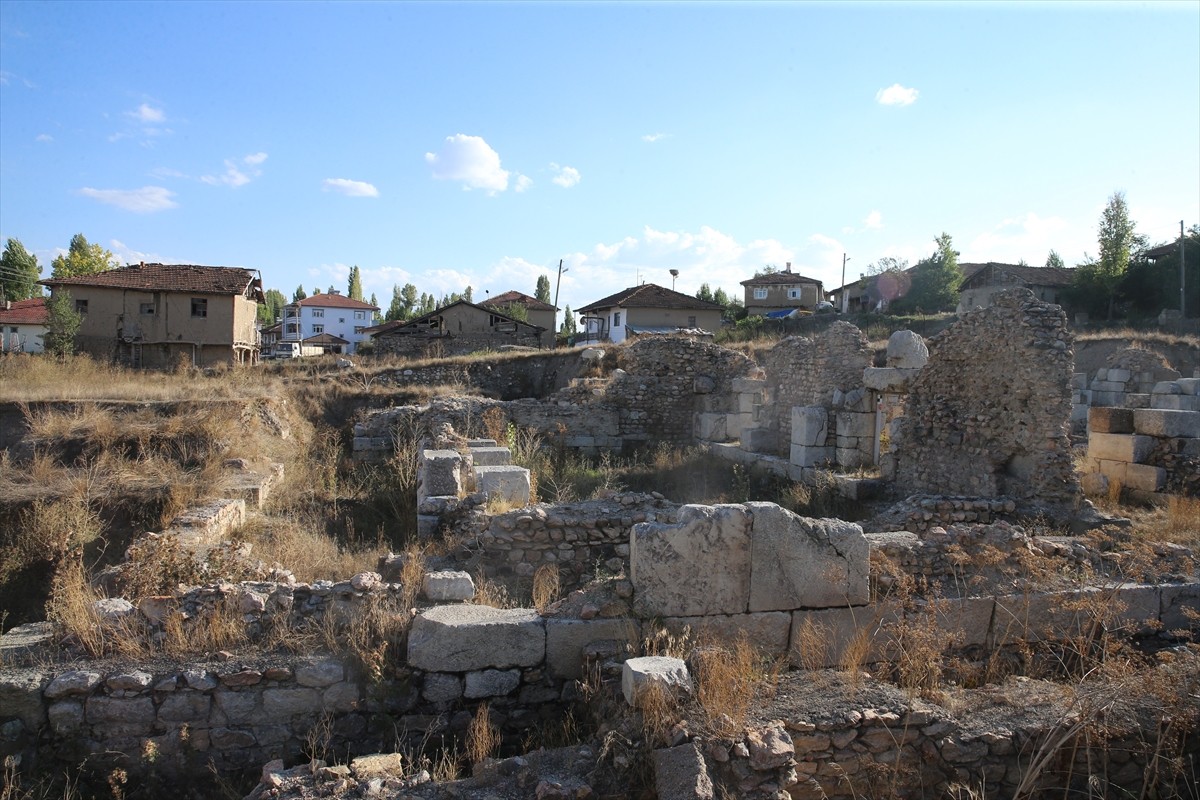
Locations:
545 319
346 323
21 338
778 298
984 296
457 330
171 330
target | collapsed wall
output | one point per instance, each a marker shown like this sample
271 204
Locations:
987 415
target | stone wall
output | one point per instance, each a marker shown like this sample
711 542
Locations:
503 377
1150 451
987 415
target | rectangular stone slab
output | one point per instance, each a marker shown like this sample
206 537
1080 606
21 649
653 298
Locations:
461 638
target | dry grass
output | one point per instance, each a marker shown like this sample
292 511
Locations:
300 543
483 738
546 586
1134 336
82 378
728 679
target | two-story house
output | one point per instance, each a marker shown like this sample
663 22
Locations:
543 315
157 315
776 291
647 309
333 321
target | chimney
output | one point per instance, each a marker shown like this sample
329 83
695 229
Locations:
788 268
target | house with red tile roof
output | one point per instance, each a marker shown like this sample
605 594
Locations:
23 325
334 322
537 313
645 310
776 291
157 315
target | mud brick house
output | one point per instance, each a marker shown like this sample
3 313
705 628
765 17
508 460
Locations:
537 313
459 328
647 309
154 315
22 325
981 282
777 291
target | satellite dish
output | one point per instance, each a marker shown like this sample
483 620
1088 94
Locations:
674 273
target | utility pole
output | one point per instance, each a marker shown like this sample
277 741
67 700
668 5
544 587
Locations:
843 289
1182 296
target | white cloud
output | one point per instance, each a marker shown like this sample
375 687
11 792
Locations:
874 220
896 95
654 137
145 200
522 183
127 255
349 188
1027 237
44 137
470 160
565 177
233 174
146 113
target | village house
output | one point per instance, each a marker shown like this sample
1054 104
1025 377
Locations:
779 291
458 328
154 315
645 310
981 282
537 313
334 322
23 325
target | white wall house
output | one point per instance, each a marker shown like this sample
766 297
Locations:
334 321
23 326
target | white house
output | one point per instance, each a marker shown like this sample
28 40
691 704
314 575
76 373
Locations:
648 309
334 321
23 325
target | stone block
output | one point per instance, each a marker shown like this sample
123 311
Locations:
1110 420
1079 380
566 640
1144 477
442 687
964 621
72 682
1094 484
236 708
680 774
759 440
439 474
701 565
747 402
325 672
907 350
509 484
799 562
1119 375
1175 402
1119 446
490 456
802 456
1107 386
280 705
889 379
122 716
748 385
711 427
1167 387
461 638
66 717
852 457
1180 606
427 525
1100 398
21 697
638 673
810 426
1167 423
190 707
1136 607
854 424
767 632
1189 385
1137 400
823 638
448 585
491 683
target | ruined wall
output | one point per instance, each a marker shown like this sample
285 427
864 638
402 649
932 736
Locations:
504 378
987 416
803 371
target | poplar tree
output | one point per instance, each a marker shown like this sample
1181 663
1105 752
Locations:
19 272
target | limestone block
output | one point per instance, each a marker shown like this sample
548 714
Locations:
680 774
852 457
850 423
965 621
1145 477
65 717
701 565
1175 402
1079 380
427 525
767 632
591 354
325 672
481 443
1119 446
746 402
1110 420
1167 422
1177 599
113 609
759 440
490 456
121 716
460 638
1100 398
1047 615
889 379
566 640
1167 387
802 456
282 704
856 400
1107 386
810 426
491 683
73 682
1136 607
823 637
907 350
448 585
510 484
442 687
1189 385
748 385
711 427
379 765
192 708
439 474
799 562
1094 484
638 673
21 697
1137 400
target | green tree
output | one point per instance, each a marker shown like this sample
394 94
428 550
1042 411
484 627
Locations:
705 293
1054 260
935 281
62 324
769 269
411 300
354 285
466 295
542 292
299 294
1097 280
1150 286
272 310
426 304
19 272
515 311
375 303
82 258
568 327
720 298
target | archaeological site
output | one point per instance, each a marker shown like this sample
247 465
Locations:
834 565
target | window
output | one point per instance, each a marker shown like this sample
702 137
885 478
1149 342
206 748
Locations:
81 306
760 293
691 322
199 307
793 293
146 309
616 319
318 329
359 328
359 315
318 313
292 327
341 320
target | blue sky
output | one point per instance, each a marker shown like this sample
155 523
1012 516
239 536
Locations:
448 144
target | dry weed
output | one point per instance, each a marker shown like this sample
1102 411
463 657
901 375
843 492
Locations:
812 645
490 593
727 681
660 712
546 586
483 738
